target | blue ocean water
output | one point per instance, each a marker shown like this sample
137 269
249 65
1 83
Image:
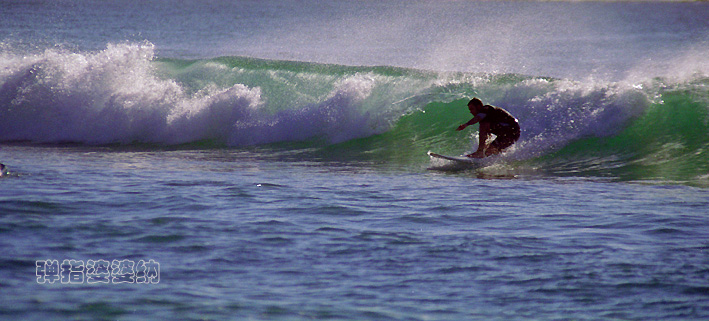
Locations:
267 160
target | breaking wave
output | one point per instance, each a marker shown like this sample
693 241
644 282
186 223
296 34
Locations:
125 95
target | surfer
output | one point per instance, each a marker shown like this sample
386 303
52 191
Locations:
493 120
3 170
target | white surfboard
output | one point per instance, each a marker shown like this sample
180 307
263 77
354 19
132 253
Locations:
460 159
446 162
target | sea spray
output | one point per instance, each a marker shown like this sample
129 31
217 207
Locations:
99 97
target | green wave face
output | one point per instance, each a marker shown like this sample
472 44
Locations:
669 140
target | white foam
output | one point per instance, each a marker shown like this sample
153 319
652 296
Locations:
107 96
116 96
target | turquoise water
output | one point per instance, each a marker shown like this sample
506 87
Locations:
267 160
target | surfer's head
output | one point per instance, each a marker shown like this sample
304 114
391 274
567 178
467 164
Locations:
474 104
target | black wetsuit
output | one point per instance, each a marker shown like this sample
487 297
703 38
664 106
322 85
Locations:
502 124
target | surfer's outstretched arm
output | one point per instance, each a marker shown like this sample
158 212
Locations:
473 121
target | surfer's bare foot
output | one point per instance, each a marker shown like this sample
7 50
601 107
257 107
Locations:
478 154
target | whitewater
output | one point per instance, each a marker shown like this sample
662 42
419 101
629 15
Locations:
270 156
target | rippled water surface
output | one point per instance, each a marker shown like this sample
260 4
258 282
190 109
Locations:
237 236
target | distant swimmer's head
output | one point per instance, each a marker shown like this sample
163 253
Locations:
474 104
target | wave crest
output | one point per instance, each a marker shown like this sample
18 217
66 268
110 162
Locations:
118 96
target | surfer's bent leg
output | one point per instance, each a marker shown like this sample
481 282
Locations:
507 135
